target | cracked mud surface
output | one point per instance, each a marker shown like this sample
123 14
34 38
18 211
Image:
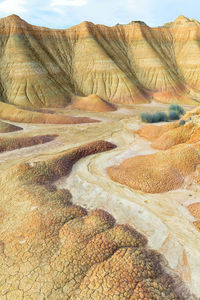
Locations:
52 247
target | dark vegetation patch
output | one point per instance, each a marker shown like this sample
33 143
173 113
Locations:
175 112
173 115
182 122
177 108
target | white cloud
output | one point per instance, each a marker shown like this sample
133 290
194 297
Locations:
55 3
13 6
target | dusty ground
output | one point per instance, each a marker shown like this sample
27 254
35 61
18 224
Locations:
162 218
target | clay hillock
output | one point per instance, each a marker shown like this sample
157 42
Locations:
6 127
92 103
59 164
153 132
165 136
53 249
8 144
16 114
148 173
127 64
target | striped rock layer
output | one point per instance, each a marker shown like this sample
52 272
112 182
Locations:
127 64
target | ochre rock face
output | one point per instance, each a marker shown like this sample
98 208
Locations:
41 67
52 249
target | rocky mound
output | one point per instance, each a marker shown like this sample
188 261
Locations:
52 249
148 173
8 144
41 67
153 132
92 103
166 136
6 127
15 114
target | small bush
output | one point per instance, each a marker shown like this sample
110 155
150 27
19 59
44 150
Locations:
146 117
173 115
155 117
177 108
160 117
182 122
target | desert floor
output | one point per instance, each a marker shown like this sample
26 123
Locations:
163 218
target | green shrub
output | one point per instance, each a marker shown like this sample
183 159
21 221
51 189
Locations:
160 117
173 115
146 117
155 117
182 122
177 108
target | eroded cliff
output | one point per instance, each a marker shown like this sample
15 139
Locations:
121 64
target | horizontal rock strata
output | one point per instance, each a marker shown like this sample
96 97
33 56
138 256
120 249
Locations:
42 67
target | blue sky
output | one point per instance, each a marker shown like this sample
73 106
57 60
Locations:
66 13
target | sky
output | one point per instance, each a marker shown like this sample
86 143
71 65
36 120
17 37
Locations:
66 13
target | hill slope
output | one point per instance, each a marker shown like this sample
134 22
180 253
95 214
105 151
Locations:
41 67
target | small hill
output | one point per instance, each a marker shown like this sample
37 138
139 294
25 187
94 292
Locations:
6 127
16 114
92 103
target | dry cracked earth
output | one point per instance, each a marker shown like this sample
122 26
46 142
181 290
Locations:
68 231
